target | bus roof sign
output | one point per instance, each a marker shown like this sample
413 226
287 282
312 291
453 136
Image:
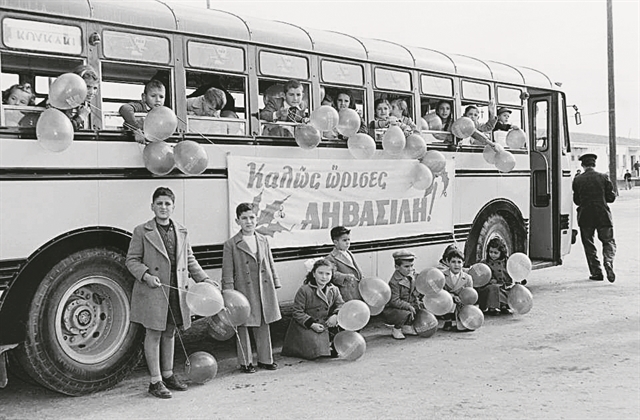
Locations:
40 36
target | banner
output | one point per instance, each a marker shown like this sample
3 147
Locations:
299 202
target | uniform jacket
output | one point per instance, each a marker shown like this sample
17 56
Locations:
344 268
403 292
455 286
147 252
256 278
592 191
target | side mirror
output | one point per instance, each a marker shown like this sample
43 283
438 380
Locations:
578 118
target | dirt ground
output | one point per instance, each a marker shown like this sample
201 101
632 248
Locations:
574 356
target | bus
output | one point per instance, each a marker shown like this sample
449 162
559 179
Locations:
66 218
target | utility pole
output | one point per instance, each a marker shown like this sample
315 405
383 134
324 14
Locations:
612 100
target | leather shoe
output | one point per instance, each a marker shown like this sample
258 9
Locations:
248 369
611 276
397 334
268 366
596 277
159 390
493 311
172 382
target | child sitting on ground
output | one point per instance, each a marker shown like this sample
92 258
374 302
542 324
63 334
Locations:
400 110
21 94
315 315
347 275
454 281
405 299
207 105
152 97
494 296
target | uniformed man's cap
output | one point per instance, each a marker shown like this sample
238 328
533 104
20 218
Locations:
587 157
338 231
403 255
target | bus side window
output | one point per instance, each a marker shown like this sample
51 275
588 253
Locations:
340 98
479 114
278 114
437 116
389 107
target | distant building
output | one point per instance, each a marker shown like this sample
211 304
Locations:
627 150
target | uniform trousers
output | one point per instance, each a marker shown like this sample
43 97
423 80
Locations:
605 235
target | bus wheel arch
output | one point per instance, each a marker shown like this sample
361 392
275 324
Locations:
499 218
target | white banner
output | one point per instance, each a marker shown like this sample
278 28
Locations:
300 202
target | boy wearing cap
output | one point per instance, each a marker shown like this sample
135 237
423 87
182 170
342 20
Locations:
405 299
347 275
503 120
592 191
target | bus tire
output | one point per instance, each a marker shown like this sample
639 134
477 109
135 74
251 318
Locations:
493 226
79 338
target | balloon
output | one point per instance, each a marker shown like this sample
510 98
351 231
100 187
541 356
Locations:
325 118
468 295
440 303
430 281
375 310
219 326
421 177
237 307
68 91
480 273
350 345
348 122
393 140
490 151
191 158
471 317
435 161
158 158
374 291
424 125
463 127
307 136
518 266
201 367
520 299
160 123
415 146
434 121
505 161
361 146
425 323
353 315
516 139
204 299
54 130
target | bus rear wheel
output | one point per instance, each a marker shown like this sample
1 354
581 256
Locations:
79 338
493 226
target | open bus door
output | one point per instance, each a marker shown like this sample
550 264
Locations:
544 212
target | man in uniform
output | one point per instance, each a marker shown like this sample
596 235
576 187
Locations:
592 191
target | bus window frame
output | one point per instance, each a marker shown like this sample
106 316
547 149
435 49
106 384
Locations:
421 91
322 80
102 56
187 64
263 123
58 21
535 122
375 86
499 86
478 82
308 58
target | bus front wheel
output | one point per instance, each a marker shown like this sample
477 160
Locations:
493 226
79 338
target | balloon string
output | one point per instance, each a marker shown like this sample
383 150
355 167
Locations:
197 132
188 362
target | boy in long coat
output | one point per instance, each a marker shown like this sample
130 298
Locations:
347 275
455 279
161 260
248 267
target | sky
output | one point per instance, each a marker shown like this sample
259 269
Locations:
567 40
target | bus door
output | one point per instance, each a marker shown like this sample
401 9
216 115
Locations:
543 215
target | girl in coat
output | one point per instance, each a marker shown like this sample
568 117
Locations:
493 297
315 315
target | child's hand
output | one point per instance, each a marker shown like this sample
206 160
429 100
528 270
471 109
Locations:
317 327
139 136
84 111
282 114
152 281
332 321
514 127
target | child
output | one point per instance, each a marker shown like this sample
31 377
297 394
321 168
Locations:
473 113
207 105
315 315
382 120
405 299
21 95
79 116
291 108
152 97
400 110
247 266
454 281
443 264
160 258
493 297
503 120
347 274
443 110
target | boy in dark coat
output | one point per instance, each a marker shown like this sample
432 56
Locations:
405 299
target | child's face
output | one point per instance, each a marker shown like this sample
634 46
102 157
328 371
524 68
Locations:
247 222
163 207
293 97
342 243
343 101
473 114
455 265
154 97
405 268
18 97
92 89
504 117
396 111
322 275
209 108
494 254
382 110
444 110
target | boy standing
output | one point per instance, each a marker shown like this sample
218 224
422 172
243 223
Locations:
347 275
291 108
454 281
247 266
160 259
152 97
405 299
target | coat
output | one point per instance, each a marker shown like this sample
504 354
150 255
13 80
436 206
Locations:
455 286
147 253
592 191
256 278
349 290
403 292
311 306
